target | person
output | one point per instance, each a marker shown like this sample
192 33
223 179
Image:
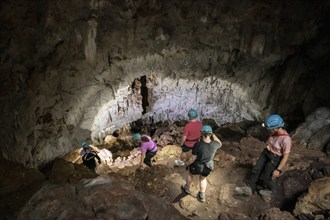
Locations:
191 134
89 156
148 149
201 162
84 146
271 160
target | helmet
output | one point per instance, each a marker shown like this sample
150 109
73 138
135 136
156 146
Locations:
192 114
273 121
136 137
206 129
84 145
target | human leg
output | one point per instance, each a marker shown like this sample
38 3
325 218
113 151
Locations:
186 187
202 183
202 188
147 159
267 175
183 156
252 180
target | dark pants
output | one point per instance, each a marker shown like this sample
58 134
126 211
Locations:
149 155
263 170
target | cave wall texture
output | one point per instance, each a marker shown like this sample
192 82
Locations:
68 67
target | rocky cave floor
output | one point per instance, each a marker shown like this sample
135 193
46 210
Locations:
232 163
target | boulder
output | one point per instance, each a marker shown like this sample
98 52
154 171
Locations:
103 197
317 198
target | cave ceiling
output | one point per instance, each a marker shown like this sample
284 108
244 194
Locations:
76 70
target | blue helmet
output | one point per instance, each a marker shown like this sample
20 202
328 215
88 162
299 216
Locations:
85 145
206 129
136 137
192 114
273 121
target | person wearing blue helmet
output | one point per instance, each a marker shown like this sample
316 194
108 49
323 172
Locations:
271 160
88 156
191 134
201 162
148 149
85 146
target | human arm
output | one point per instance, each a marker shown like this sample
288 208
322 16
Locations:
191 159
98 157
278 170
215 138
143 155
183 139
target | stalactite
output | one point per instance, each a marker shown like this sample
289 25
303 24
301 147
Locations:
90 47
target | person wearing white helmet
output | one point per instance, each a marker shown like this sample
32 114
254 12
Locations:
191 134
201 162
271 160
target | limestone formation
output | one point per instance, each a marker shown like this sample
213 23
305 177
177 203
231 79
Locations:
68 67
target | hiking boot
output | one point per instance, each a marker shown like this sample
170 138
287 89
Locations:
185 189
265 194
201 196
179 162
243 191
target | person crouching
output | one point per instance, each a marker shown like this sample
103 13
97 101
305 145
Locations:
148 149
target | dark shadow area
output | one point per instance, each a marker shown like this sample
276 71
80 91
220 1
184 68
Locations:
144 93
179 197
290 187
121 148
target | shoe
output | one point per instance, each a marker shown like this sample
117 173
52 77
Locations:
201 197
243 191
265 194
185 189
179 162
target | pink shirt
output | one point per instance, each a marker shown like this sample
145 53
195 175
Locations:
279 144
150 145
192 130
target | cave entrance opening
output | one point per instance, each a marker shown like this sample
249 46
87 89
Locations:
144 93
139 87
144 125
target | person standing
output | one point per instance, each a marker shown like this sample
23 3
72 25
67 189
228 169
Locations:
88 157
85 146
148 149
201 162
271 160
191 134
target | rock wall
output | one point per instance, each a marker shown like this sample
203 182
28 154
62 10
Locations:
68 66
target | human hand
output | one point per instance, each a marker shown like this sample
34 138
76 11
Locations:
139 168
99 161
276 173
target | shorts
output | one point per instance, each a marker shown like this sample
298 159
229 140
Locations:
198 168
186 149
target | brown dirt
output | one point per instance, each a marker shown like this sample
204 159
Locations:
232 163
